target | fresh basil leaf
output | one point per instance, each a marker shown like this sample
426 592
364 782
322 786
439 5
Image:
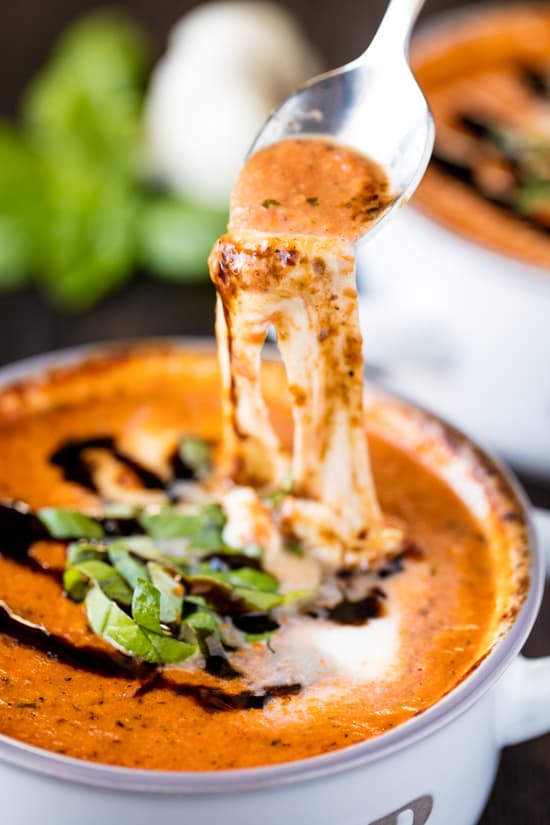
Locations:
107 578
203 529
203 622
213 515
146 606
119 510
253 551
80 551
295 548
21 208
69 524
142 546
533 197
130 568
294 596
203 572
175 238
255 579
167 650
169 524
171 593
109 621
85 104
256 600
75 584
89 238
259 637
196 453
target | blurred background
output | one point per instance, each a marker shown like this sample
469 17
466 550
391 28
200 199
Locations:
59 294
116 159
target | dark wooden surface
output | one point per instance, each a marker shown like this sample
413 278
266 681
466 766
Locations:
28 326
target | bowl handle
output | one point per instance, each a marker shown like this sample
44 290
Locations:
523 697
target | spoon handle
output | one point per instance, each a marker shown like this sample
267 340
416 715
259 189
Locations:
395 29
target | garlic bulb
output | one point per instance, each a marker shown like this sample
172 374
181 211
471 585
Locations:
228 64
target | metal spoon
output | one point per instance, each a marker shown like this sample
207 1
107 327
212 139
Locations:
372 104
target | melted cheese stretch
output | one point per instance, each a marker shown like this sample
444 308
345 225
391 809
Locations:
305 287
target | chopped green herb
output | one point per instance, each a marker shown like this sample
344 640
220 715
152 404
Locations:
256 579
295 548
203 529
80 551
169 524
109 621
270 202
313 201
146 606
253 551
119 510
196 453
294 596
259 637
142 546
75 584
130 568
258 600
107 578
533 197
171 593
203 622
69 524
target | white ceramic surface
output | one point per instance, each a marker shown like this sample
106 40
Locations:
437 768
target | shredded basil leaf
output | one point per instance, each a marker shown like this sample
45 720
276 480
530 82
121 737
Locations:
196 453
256 600
80 551
203 529
75 584
130 568
203 622
171 593
256 579
259 637
107 578
69 524
119 510
146 606
109 621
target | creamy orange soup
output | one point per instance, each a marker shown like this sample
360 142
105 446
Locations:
439 598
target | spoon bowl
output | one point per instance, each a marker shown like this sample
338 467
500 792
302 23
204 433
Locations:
373 105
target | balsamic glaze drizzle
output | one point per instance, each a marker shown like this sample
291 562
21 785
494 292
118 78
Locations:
213 699
538 81
69 458
359 612
256 623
